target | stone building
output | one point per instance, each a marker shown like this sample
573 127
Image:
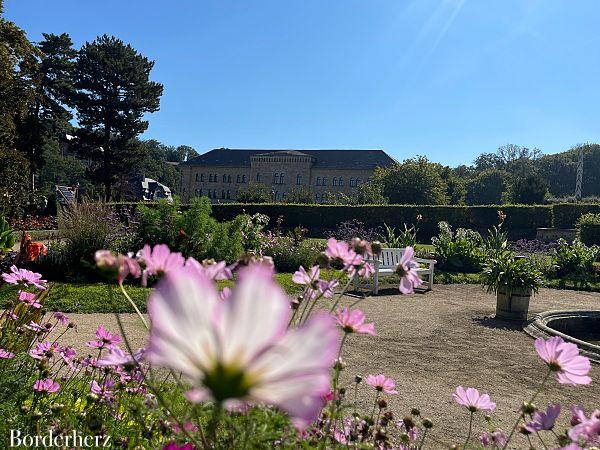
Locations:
221 173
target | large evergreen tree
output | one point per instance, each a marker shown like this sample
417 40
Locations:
113 92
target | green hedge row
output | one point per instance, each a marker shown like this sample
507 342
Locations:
521 221
566 215
588 229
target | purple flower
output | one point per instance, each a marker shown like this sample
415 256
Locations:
104 338
302 277
495 439
341 255
212 270
233 351
585 429
564 359
47 386
118 357
354 322
61 317
5 354
159 261
381 383
68 355
120 266
29 299
24 277
43 350
406 270
104 390
543 420
473 400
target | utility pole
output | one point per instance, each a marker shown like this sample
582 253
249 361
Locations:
579 180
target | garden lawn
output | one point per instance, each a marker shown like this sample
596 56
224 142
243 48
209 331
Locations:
96 297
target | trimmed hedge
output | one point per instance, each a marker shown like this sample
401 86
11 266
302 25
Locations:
588 229
566 215
521 221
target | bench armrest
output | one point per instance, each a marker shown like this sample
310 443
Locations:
429 262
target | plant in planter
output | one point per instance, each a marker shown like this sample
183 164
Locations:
513 280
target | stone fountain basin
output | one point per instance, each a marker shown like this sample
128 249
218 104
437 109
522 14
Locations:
579 327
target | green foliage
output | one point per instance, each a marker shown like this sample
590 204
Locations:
58 169
575 261
7 238
14 182
459 251
406 237
288 255
113 93
369 193
414 181
302 195
486 187
566 215
508 273
588 229
252 230
529 190
255 193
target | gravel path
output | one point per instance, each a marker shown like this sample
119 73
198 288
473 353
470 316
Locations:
430 343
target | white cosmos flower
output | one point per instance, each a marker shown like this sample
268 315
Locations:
240 349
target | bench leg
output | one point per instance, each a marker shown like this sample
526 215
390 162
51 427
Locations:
356 277
375 282
430 280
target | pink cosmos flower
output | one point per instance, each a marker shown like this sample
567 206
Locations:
495 439
473 400
118 357
47 386
225 293
43 350
564 359
68 355
341 255
381 383
543 421
302 277
103 391
61 317
364 271
104 338
327 288
213 270
585 429
34 326
241 350
24 277
175 446
120 266
354 322
5 354
159 261
29 299
409 279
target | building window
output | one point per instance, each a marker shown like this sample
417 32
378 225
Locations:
215 178
224 178
258 177
229 178
238 179
352 184
276 196
197 179
223 195
244 179
201 177
318 181
317 198
282 178
358 181
283 196
334 181
324 181
341 181
228 195
210 178
298 180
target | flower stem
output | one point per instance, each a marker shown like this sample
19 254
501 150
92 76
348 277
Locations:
134 306
470 429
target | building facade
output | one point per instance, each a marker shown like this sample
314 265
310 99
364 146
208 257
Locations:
221 174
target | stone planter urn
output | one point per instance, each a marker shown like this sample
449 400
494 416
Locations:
513 307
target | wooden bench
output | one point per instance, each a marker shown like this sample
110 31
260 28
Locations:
388 260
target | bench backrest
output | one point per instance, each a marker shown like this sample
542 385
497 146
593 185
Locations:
390 257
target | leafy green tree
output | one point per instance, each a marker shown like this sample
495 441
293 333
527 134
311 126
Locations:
14 182
512 158
414 181
369 193
487 187
529 190
300 194
255 193
17 64
47 115
113 92
181 153
58 169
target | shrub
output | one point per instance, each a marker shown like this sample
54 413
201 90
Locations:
287 256
354 228
159 223
566 215
487 187
406 237
7 238
588 229
506 273
14 182
529 190
575 261
459 251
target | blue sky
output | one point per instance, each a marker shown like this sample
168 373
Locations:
448 79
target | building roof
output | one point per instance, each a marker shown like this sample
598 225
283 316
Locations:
330 159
